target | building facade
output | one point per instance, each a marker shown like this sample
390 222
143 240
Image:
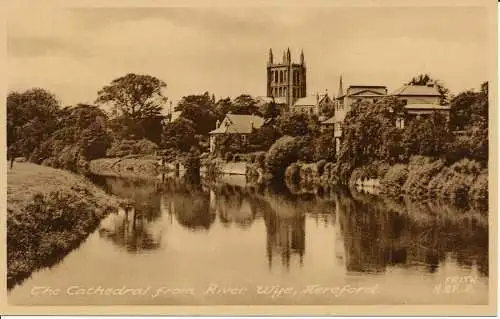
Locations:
286 79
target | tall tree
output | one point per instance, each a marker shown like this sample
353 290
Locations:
135 96
136 102
199 110
31 118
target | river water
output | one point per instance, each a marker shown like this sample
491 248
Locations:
230 243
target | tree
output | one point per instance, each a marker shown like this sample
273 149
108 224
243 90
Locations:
179 135
294 124
245 104
424 79
367 127
199 110
31 118
427 136
135 101
461 110
272 111
134 96
280 155
264 137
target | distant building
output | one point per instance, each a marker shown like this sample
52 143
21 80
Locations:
420 101
313 104
235 124
286 79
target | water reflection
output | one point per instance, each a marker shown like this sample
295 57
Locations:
370 234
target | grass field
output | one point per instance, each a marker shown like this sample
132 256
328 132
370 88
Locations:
50 212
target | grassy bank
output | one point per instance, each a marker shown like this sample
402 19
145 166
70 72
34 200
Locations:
49 213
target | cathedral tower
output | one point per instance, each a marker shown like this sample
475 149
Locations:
285 79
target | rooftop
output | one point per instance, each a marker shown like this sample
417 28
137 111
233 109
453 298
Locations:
417 90
239 123
426 106
310 100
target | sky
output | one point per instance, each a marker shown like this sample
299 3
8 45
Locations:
74 52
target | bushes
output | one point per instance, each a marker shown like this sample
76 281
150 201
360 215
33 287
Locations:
394 179
454 182
420 171
478 191
280 155
120 148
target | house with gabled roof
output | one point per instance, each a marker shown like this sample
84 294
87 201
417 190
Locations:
237 125
420 101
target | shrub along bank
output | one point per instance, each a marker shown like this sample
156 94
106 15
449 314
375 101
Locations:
50 212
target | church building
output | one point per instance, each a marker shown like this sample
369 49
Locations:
286 81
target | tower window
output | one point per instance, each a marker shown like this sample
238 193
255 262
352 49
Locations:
281 90
275 76
281 76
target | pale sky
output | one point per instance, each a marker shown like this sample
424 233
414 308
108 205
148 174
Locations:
75 52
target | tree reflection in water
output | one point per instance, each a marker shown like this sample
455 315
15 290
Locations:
371 233
133 227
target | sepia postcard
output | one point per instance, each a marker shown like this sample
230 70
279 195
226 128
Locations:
249 157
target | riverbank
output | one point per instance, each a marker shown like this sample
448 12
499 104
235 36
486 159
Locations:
463 183
49 213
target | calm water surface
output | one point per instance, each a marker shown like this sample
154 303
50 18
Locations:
232 244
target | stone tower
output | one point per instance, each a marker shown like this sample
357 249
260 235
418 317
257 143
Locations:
285 79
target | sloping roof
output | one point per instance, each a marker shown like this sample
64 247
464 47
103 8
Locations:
310 100
426 106
417 90
367 93
239 124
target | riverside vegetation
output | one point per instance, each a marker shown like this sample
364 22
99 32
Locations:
49 213
429 158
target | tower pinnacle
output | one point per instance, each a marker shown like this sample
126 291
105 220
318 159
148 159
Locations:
270 56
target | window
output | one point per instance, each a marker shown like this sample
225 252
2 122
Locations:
280 92
286 76
275 76
281 76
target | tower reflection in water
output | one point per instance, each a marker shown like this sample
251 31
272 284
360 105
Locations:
369 234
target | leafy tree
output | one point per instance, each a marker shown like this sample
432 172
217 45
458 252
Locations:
263 138
294 124
324 147
280 155
179 135
366 127
31 119
245 104
461 110
424 79
427 136
199 110
136 101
